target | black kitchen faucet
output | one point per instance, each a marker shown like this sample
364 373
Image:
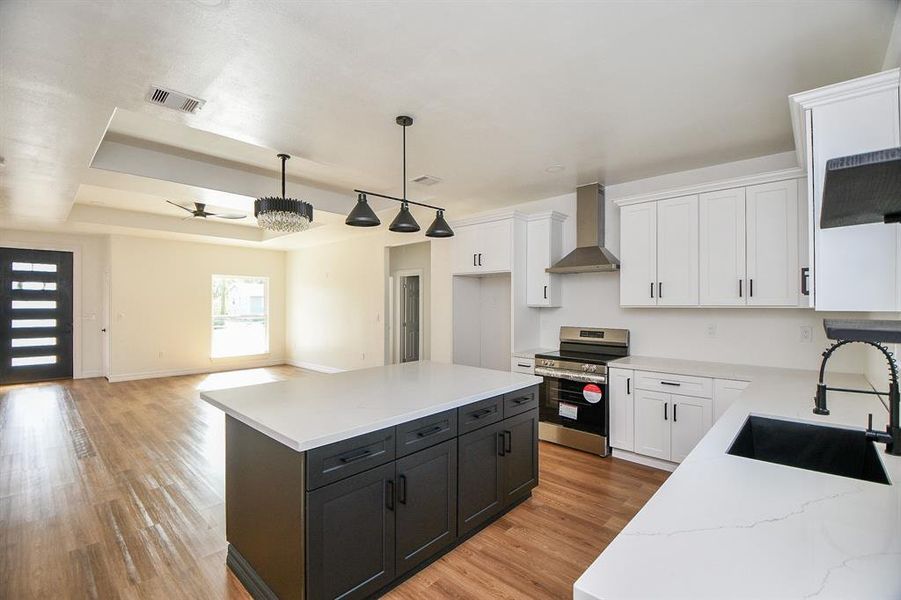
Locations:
891 437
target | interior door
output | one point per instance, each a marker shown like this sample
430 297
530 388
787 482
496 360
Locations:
722 248
773 270
35 315
652 424
638 255
691 418
410 318
677 251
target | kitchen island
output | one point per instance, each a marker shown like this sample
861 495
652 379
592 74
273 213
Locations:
725 526
343 485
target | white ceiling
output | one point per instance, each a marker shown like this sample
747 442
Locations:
612 91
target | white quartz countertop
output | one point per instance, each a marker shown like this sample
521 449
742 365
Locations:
309 412
531 352
724 526
698 368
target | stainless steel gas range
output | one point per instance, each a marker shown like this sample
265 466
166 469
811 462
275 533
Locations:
574 409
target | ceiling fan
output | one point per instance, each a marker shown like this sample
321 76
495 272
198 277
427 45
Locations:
199 211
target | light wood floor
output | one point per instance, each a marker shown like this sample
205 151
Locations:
116 491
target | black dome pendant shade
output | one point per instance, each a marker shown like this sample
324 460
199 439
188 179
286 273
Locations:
439 227
362 214
404 221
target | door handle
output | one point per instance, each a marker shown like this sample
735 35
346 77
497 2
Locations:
389 494
500 443
474 260
805 281
402 489
665 409
355 457
508 442
750 288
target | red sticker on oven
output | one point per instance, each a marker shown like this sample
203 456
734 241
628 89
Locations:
592 393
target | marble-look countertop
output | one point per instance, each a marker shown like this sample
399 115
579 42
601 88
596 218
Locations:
725 526
309 412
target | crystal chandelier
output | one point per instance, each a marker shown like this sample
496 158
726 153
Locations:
285 215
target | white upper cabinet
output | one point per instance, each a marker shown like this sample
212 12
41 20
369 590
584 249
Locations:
772 224
722 247
483 248
677 251
638 255
545 247
855 268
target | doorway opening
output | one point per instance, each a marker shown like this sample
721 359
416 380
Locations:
35 315
407 302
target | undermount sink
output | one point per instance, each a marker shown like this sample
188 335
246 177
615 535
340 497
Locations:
843 452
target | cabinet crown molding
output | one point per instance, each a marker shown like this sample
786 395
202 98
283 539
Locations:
547 214
489 217
713 186
835 92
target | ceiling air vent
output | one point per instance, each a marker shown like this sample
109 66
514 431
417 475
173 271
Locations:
174 100
426 180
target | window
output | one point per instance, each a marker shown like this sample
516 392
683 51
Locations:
240 316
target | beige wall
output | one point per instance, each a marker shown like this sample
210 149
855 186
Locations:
161 305
88 276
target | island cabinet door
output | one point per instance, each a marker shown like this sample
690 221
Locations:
426 504
350 535
520 455
480 493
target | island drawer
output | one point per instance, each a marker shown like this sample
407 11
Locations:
478 414
334 462
425 432
520 401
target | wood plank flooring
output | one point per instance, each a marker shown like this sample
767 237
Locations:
116 491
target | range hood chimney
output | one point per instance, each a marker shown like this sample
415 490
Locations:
863 188
590 255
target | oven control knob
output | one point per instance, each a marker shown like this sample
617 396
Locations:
593 368
585 368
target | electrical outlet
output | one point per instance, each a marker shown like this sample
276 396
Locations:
711 330
806 334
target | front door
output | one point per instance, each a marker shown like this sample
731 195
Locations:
35 315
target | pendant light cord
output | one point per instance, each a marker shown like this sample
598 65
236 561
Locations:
405 162
284 158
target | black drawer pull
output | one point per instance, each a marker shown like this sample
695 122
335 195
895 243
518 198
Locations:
481 413
522 399
430 431
670 383
402 489
500 443
389 494
523 365
355 457
508 442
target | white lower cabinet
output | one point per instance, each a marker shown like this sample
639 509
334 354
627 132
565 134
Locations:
622 409
725 393
691 419
652 425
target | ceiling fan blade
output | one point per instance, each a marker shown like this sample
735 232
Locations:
233 216
179 206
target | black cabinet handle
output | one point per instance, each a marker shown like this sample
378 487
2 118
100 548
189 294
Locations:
750 288
675 406
805 281
500 443
355 457
660 289
474 260
508 442
670 383
652 289
521 400
430 431
480 259
665 408
389 494
523 365
739 288
628 385
545 292
402 489
481 413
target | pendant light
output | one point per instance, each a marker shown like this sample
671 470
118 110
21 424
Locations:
362 214
286 215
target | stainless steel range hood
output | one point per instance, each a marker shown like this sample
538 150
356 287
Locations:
590 255
863 188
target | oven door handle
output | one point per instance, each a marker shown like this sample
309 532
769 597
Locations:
571 375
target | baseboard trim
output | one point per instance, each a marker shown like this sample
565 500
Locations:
246 574
253 364
313 366
648 461
89 374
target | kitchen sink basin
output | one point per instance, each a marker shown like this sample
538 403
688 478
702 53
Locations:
843 452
